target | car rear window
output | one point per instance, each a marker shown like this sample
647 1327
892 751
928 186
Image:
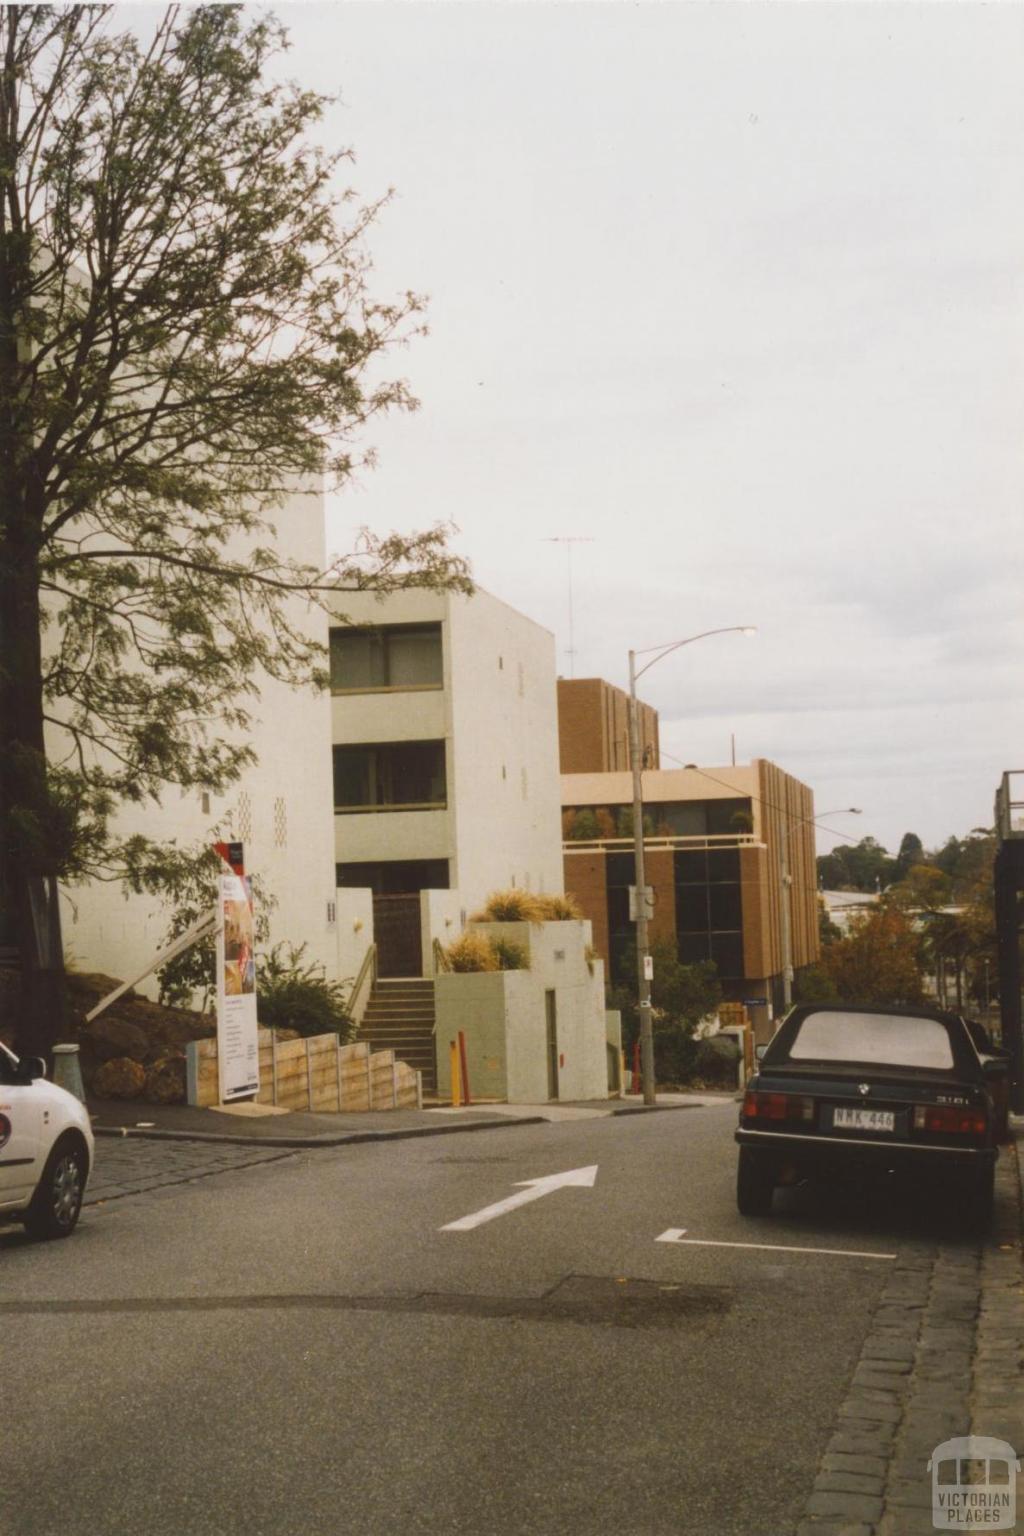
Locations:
889 1039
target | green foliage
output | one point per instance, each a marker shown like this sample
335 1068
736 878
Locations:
558 909
187 880
624 822
864 866
828 931
471 952
878 961
813 984
187 337
509 955
582 827
681 996
293 995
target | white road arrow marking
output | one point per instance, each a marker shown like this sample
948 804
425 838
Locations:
530 1189
678 1235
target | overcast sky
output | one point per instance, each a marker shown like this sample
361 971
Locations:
734 291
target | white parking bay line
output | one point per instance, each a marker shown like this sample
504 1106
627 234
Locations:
678 1235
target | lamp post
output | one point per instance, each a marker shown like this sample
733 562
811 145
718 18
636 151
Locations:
643 956
787 882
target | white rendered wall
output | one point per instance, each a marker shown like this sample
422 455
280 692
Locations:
505 720
281 809
354 929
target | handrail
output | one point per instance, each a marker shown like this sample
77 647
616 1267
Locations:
368 968
709 841
440 958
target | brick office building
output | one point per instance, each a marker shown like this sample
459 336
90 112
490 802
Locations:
714 857
593 727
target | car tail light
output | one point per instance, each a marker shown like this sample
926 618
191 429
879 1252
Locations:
946 1120
776 1106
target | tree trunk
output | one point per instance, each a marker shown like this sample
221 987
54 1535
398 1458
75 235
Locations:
28 885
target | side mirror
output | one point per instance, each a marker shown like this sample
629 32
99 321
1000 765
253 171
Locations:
31 1068
759 1051
995 1066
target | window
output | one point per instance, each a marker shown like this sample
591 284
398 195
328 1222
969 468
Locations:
709 908
393 775
396 656
831 1035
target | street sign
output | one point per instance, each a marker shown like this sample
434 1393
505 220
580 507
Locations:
755 1002
649 903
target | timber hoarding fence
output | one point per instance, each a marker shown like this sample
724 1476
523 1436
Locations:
317 1073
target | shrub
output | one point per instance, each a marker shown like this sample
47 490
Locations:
291 995
471 952
509 955
583 827
558 909
508 907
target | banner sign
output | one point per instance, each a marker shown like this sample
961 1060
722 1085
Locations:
238 1051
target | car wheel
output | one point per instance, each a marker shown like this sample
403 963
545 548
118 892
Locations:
58 1198
755 1184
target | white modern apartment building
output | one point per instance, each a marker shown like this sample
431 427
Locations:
280 810
445 746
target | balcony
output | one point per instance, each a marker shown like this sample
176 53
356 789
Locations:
653 843
1009 807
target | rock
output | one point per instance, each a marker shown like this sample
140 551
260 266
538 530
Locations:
107 1038
165 1081
119 1078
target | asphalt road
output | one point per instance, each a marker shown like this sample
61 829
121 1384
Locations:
295 1347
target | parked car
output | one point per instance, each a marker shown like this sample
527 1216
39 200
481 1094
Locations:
848 1091
998 1074
46 1149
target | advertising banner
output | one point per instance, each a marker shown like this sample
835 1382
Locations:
238 1051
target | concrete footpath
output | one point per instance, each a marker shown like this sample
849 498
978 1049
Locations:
259 1125
943 1358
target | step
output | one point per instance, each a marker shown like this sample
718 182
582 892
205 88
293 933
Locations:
402 984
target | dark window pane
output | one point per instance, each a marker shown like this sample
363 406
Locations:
414 656
727 953
729 816
396 656
692 909
723 864
621 869
691 867
726 907
686 819
406 773
353 775
618 908
693 948
357 658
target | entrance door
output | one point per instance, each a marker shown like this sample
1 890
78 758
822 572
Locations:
396 929
552 1033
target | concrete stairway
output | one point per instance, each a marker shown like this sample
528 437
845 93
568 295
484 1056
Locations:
400 1017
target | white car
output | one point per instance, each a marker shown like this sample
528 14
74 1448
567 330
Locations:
46 1149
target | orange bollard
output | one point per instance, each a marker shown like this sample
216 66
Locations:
453 1056
463 1070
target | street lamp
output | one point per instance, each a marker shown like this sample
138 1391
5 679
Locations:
643 958
787 881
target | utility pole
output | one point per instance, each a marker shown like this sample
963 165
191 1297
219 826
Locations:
643 966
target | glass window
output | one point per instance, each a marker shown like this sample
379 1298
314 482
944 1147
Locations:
395 877
692 909
691 867
727 953
885 1038
688 819
396 774
729 816
694 947
393 656
726 907
723 864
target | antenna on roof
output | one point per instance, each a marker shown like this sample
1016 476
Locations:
569 541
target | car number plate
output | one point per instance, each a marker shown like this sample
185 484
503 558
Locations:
864 1120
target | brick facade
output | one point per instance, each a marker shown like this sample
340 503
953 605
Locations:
593 727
